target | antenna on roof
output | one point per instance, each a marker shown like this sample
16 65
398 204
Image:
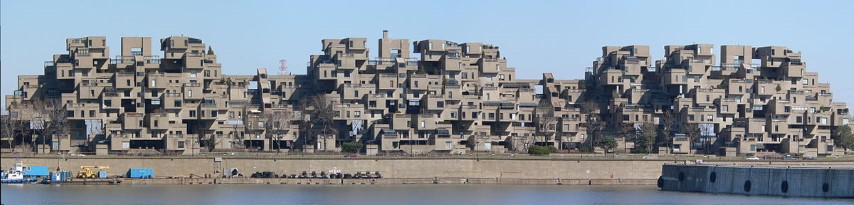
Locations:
283 66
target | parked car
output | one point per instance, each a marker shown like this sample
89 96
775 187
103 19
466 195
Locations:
753 158
788 157
351 155
809 158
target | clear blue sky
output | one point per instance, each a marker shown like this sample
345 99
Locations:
561 37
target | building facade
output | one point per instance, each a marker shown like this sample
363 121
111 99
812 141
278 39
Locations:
428 96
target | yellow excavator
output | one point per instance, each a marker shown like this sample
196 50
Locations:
91 172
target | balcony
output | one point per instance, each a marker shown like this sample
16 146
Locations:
192 91
676 77
157 121
425 122
794 70
132 121
611 77
489 65
401 121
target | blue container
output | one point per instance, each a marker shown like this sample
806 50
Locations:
102 174
36 171
56 177
140 173
64 176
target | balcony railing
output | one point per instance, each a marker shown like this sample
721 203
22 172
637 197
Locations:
490 59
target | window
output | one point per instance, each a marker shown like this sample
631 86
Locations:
180 144
799 119
189 93
440 104
91 113
193 73
136 51
192 113
357 114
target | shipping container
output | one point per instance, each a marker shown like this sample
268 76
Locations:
140 173
36 171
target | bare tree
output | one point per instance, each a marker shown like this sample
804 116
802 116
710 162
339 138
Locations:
647 133
594 120
10 124
51 118
668 123
545 120
276 124
323 114
628 131
302 107
692 132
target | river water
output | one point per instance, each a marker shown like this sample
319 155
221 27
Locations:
374 194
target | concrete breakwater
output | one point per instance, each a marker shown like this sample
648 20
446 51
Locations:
796 181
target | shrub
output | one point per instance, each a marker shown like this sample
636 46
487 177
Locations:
351 147
541 150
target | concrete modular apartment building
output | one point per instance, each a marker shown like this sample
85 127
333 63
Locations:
442 97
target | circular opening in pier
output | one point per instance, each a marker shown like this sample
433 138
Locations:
747 186
713 177
825 187
681 176
784 187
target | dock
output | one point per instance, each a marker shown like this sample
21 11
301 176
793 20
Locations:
788 181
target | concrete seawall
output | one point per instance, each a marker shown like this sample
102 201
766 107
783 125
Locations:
390 168
797 181
394 170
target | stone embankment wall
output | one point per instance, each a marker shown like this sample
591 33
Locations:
390 168
394 171
799 181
